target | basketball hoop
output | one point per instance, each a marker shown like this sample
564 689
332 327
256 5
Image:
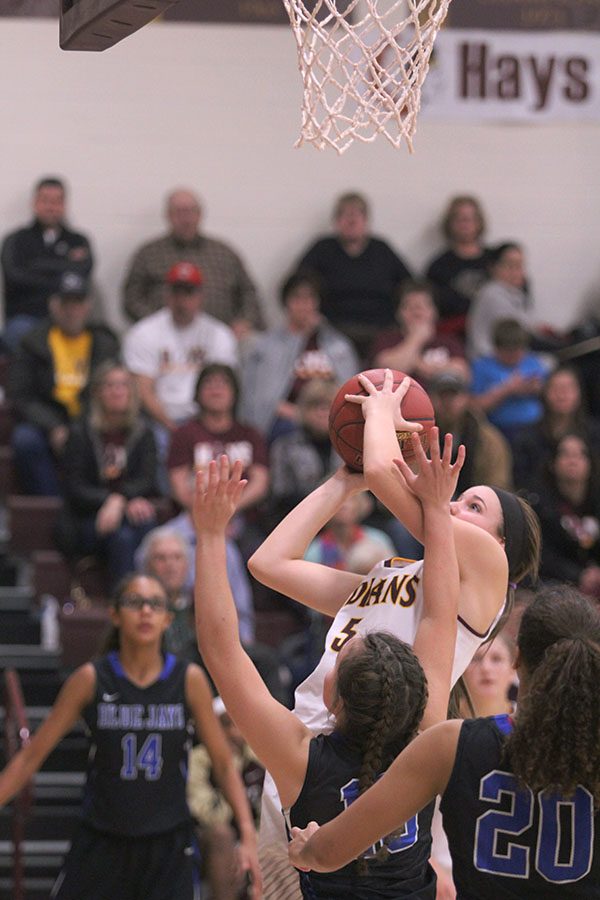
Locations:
363 63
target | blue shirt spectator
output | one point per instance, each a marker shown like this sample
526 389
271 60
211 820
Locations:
507 385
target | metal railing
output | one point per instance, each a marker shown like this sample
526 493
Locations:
16 736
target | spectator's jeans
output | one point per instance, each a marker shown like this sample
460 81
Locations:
117 548
34 461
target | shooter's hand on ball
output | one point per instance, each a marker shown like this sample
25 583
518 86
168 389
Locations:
296 847
386 400
434 481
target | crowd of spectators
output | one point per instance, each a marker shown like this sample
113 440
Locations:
112 422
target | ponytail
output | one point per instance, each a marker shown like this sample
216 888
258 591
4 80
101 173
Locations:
111 642
556 741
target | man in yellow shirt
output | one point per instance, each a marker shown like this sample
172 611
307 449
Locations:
49 379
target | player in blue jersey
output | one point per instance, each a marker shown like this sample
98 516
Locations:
377 693
497 539
140 707
520 794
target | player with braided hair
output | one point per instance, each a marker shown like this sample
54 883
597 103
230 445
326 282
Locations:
399 713
497 538
520 794
376 694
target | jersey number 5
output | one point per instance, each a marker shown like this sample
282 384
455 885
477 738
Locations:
565 831
346 634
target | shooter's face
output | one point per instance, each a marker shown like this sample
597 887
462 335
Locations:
480 506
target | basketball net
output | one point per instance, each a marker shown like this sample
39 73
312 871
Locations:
362 67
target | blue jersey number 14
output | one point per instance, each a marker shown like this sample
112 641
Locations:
565 834
148 760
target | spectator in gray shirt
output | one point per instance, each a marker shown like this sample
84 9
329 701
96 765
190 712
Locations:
283 359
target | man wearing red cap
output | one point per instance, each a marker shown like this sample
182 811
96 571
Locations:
167 350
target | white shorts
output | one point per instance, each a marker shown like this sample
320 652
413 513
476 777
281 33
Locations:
280 879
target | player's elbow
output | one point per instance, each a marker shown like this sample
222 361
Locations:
257 565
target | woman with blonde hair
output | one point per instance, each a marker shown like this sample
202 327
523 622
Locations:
110 478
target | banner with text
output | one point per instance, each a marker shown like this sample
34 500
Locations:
513 75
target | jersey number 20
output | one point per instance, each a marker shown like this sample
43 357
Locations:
565 835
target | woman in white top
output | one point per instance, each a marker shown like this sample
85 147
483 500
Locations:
497 543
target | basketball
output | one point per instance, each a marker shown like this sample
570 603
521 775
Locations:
346 421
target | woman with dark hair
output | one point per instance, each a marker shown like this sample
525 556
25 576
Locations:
503 296
376 694
460 270
136 838
520 793
497 543
110 477
497 533
213 431
563 411
566 496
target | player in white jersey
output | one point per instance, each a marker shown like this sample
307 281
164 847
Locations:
497 539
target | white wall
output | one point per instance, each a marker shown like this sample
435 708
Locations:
217 108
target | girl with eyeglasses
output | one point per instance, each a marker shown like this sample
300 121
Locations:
140 706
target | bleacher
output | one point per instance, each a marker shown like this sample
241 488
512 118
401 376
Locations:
31 568
57 787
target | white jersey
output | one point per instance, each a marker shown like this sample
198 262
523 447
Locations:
173 357
390 598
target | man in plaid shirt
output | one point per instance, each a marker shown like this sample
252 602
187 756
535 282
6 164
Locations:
229 294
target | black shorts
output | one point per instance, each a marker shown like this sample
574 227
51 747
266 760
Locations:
111 867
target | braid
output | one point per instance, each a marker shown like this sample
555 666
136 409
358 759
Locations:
373 749
384 692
